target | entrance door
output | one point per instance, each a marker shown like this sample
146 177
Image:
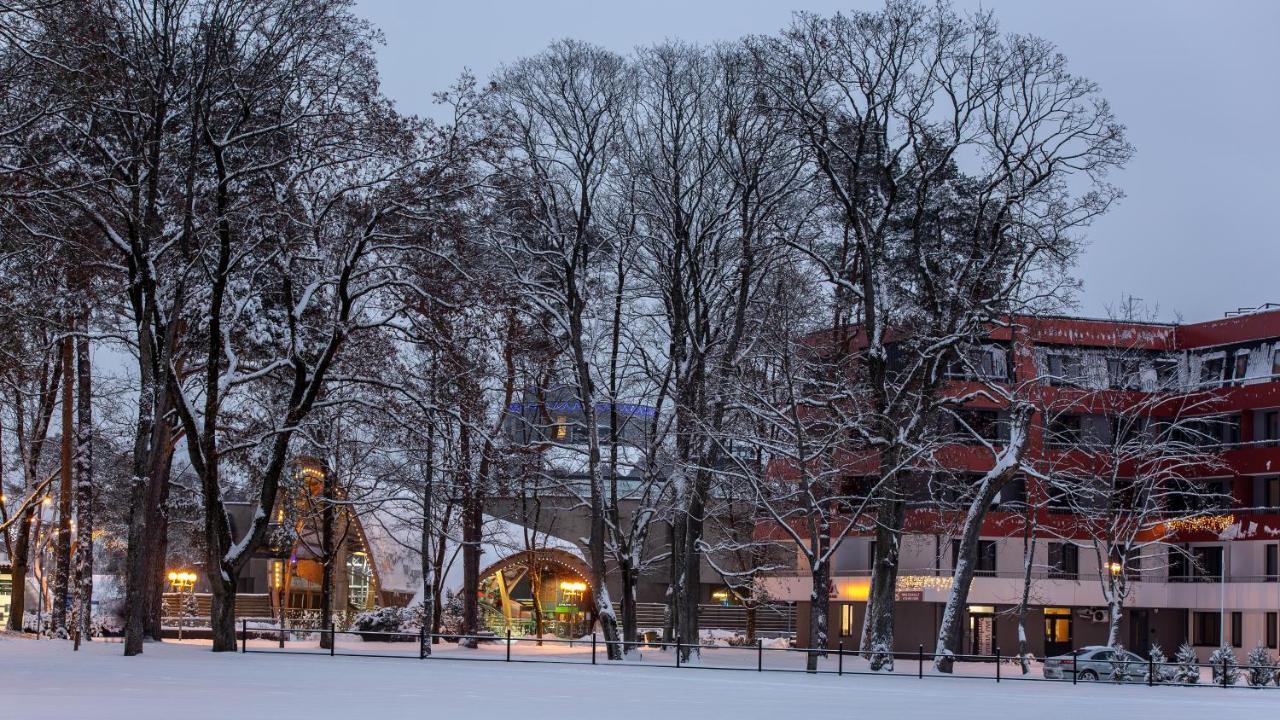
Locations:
1057 631
982 631
1140 631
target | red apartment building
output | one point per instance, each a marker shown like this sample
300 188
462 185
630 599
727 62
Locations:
1223 587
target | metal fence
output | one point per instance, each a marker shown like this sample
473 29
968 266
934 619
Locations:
755 657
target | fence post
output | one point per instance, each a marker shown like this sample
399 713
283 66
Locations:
677 651
840 658
1224 672
422 643
920 667
1151 672
997 664
244 635
759 654
1075 670
508 644
282 634
333 639
593 648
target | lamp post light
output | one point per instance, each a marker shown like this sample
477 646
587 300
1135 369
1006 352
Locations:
184 583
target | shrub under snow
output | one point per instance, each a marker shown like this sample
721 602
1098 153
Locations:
1223 661
1261 668
1188 669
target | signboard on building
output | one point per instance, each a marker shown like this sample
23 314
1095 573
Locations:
908 595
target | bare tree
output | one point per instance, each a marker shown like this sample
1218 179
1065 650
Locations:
561 115
943 149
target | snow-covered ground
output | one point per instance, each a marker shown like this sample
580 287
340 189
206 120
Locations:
45 679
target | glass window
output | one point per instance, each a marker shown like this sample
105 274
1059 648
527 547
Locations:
986 561
1207 563
1237 629
1124 373
1271 565
1064 561
359 580
1242 364
1211 371
1271 630
1206 628
1065 430
1166 372
1064 369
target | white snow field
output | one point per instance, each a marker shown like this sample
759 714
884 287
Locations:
45 679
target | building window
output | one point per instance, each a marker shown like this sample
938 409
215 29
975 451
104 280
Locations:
1065 430
1269 495
1207 563
846 620
1272 563
1275 363
1064 369
1064 561
1206 628
1237 629
1271 425
1166 373
1124 373
1241 366
985 564
1211 370
984 424
1271 630
359 581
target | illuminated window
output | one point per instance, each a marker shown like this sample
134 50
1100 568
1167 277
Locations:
560 430
846 620
359 580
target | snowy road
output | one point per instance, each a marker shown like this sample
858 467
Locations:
46 680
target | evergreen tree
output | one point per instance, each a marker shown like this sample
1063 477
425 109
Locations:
1159 667
1261 667
1223 660
1188 670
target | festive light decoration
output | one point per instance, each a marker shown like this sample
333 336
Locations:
1202 523
923 582
569 586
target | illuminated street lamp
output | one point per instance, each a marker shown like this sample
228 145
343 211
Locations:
183 582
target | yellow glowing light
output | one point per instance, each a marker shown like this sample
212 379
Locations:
857 590
1203 523
910 583
568 586
48 500
173 576
1115 568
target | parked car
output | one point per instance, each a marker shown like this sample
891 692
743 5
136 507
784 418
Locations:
1094 663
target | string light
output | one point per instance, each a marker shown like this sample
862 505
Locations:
923 582
1202 523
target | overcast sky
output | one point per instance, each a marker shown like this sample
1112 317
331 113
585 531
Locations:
1197 84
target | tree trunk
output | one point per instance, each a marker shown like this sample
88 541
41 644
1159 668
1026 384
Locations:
428 577
157 551
471 539
629 576
819 606
1024 604
884 579
328 555
691 576
85 520
222 611
62 548
21 555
